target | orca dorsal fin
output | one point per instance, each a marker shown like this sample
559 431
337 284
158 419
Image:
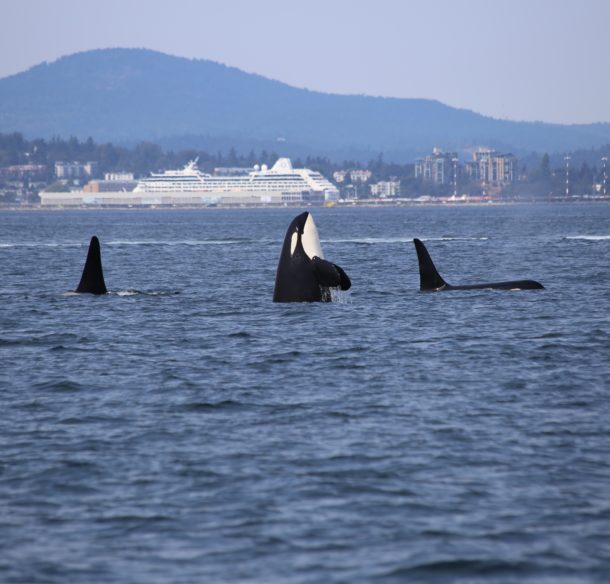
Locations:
429 278
92 280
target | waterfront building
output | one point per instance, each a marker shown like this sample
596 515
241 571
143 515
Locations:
492 167
75 170
109 186
386 189
339 176
436 167
360 175
24 171
120 176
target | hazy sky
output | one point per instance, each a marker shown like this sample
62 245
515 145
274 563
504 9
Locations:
543 60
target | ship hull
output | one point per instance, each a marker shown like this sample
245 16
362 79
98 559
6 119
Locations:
179 199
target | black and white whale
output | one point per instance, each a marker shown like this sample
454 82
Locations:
430 280
92 280
303 275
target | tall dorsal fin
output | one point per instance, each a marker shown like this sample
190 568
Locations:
92 280
429 278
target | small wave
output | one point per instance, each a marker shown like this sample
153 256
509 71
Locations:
45 339
458 567
240 335
61 385
126 293
188 242
158 292
119 242
450 238
209 406
384 240
369 240
589 237
43 244
135 518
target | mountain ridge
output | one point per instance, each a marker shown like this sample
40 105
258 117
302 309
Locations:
129 95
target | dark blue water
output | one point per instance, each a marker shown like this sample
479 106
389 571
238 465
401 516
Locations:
186 429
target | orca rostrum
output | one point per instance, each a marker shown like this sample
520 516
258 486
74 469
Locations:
92 280
303 275
431 281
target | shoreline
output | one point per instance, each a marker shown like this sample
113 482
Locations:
347 205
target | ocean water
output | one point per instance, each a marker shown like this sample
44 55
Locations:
183 428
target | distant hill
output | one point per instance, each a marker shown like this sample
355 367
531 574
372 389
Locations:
129 95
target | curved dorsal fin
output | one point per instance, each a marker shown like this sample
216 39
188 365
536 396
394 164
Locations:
429 278
92 280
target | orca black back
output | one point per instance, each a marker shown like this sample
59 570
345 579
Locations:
430 280
92 280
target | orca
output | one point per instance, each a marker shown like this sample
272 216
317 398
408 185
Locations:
303 275
431 281
92 280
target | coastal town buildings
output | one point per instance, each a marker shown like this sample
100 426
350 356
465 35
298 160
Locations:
386 189
20 183
119 176
437 167
356 175
339 176
492 168
75 170
360 175
24 172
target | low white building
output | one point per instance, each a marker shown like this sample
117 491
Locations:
386 189
119 176
67 170
360 175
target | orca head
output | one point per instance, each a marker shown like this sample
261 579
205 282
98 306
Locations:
304 237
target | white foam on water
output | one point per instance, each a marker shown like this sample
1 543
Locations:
589 237
133 292
370 240
382 240
456 239
191 242
41 244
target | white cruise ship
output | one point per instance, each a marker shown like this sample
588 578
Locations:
280 184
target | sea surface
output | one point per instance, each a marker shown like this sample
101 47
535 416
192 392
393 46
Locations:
185 429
